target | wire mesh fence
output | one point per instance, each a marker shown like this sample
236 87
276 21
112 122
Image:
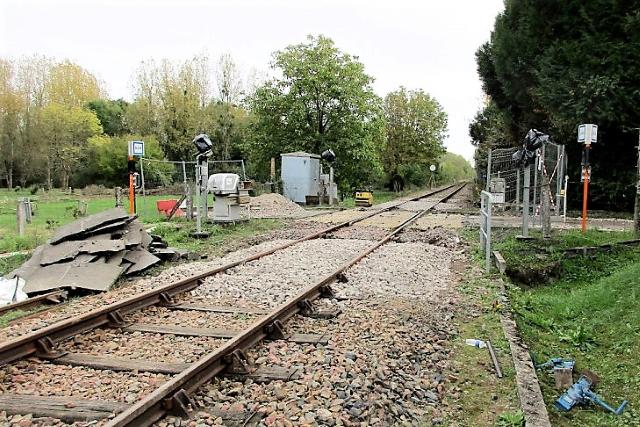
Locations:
505 176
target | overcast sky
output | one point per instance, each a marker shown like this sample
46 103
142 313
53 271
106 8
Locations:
427 44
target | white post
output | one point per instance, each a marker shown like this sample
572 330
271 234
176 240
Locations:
525 201
566 184
330 185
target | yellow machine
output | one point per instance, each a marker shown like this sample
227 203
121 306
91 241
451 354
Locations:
364 198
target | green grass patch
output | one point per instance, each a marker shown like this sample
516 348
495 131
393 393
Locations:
484 399
178 234
56 208
590 312
8 264
12 315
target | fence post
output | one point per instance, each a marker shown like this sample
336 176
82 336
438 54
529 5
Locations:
118 194
517 191
485 227
21 217
525 201
535 184
488 169
545 200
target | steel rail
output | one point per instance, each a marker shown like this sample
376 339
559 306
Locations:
173 395
43 340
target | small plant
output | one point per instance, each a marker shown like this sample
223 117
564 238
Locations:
51 224
510 419
579 336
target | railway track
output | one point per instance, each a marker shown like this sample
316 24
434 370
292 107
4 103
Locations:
229 357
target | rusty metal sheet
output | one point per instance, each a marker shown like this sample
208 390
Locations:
88 224
141 260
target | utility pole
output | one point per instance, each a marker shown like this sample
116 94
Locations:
636 210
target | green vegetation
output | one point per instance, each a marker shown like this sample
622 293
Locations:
58 129
323 100
543 69
416 128
54 209
221 236
589 311
485 400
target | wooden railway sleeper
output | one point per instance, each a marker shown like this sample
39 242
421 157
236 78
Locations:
180 404
237 363
47 349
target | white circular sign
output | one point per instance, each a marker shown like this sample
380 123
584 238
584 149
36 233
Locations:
432 168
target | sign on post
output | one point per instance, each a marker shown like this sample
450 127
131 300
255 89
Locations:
588 134
136 148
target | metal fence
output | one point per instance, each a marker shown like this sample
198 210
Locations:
485 227
550 162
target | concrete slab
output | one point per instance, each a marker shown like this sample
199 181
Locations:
132 235
68 250
89 223
141 260
98 276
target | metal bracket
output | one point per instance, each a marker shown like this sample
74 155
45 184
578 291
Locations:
306 308
275 331
116 320
47 349
58 298
237 362
342 278
180 404
166 300
326 291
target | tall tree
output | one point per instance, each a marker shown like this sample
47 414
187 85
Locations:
171 102
416 126
70 84
553 65
322 99
66 130
111 114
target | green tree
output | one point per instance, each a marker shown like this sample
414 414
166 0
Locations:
66 131
70 84
553 65
416 127
111 114
106 161
322 99
453 167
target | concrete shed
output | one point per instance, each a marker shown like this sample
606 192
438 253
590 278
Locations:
300 175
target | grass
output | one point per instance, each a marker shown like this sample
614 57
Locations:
484 399
54 209
221 236
590 312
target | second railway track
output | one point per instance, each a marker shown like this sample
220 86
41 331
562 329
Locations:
222 334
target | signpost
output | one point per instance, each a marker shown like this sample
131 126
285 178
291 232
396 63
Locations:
136 149
587 135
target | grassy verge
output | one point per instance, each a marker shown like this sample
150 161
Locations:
221 236
589 310
484 399
54 209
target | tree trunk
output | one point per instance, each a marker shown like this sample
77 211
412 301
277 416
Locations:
49 186
10 178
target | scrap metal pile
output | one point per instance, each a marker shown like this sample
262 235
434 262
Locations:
92 253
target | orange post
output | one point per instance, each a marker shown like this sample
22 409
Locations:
132 191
